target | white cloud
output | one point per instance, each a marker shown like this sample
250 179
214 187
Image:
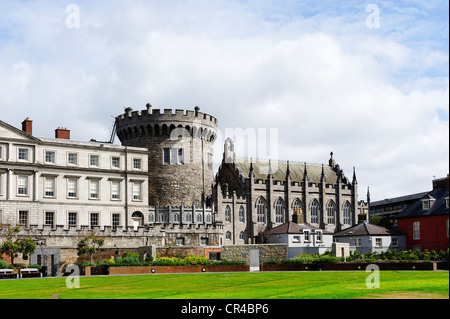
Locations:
326 82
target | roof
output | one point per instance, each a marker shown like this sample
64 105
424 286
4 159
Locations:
438 207
366 229
293 228
279 168
398 199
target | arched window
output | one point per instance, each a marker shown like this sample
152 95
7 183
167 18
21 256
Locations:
314 212
228 214
199 218
279 211
176 218
261 210
188 217
347 213
228 235
208 218
241 235
331 213
241 214
151 218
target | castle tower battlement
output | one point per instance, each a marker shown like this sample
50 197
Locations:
180 145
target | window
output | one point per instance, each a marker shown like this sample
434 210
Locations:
357 242
241 235
314 212
94 186
94 160
188 217
261 210
72 159
23 218
115 162
49 219
50 157
395 242
228 235
331 213
94 221
297 206
378 242
115 190
166 156
180 241
176 218
173 156
306 235
319 236
228 214
49 187
416 230
279 211
204 241
296 239
136 191
241 214
23 154
347 213
208 218
137 163
72 185
115 221
72 219
151 218
425 204
1 152
22 185
199 218
446 202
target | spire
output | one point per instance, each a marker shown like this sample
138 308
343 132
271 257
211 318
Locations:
288 171
305 173
331 162
251 172
354 176
368 195
322 176
270 168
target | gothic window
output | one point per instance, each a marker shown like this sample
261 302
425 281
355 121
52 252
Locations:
228 235
228 214
279 211
347 213
314 212
241 214
261 210
176 218
188 217
241 235
208 218
331 212
199 218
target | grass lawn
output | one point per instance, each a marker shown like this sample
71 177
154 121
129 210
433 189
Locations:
245 285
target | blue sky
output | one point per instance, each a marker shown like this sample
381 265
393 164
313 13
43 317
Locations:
376 97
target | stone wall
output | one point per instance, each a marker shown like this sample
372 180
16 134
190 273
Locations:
266 252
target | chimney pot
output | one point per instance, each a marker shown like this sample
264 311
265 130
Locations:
27 126
62 133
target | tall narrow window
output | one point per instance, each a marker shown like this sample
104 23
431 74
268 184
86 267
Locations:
331 213
22 185
49 187
94 187
23 218
72 219
416 230
314 212
241 214
115 190
180 156
228 214
166 156
94 220
347 213
279 211
261 210
136 191
115 221
72 188
173 155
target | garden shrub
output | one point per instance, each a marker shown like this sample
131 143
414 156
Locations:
4 265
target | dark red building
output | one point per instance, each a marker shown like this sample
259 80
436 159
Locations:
426 222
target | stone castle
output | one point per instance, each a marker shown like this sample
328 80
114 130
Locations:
158 188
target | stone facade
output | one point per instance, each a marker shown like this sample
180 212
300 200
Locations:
180 151
266 252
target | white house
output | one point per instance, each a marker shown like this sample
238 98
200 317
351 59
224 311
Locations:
366 237
300 238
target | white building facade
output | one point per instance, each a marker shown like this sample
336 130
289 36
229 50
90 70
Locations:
59 182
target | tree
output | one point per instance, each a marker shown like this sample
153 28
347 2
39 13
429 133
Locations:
12 245
90 245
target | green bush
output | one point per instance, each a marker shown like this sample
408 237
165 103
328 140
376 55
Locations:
196 260
4 265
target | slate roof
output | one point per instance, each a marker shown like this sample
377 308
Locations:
438 208
366 229
293 228
279 168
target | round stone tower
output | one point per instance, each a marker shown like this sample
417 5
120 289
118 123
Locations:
180 146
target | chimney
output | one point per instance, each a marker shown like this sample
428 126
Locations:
298 217
27 126
362 218
62 133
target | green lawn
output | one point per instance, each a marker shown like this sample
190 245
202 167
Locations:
262 285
